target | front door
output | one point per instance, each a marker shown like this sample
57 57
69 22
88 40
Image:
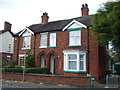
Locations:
52 64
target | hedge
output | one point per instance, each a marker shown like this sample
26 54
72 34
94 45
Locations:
13 70
27 70
37 70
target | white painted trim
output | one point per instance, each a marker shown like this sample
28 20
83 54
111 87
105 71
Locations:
74 21
21 55
8 56
68 51
26 48
43 47
26 28
44 33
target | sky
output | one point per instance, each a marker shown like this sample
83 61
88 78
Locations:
22 13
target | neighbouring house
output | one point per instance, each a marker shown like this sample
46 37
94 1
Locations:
7 43
66 47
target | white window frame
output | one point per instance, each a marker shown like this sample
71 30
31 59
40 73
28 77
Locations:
71 60
66 61
27 34
51 43
22 57
43 46
76 42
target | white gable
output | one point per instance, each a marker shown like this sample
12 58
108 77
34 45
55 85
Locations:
74 24
26 31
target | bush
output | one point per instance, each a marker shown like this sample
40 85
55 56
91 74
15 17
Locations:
18 67
10 64
37 70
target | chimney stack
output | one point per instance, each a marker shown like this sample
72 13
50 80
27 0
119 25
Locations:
44 18
85 10
7 26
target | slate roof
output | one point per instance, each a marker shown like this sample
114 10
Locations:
57 25
3 31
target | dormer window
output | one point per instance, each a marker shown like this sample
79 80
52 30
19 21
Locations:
26 40
75 38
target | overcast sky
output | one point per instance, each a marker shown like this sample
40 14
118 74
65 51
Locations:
22 13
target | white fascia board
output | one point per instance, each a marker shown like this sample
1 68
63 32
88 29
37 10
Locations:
74 51
26 28
74 21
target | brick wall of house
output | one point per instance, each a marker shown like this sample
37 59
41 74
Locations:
62 44
15 51
49 79
97 57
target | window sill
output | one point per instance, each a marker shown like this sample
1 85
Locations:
75 71
43 47
74 45
52 46
26 48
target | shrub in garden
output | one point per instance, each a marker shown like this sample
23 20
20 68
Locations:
16 69
30 60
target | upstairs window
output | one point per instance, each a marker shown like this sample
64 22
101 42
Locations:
74 38
26 39
9 48
43 42
26 42
52 40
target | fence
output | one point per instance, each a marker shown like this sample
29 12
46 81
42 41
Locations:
112 81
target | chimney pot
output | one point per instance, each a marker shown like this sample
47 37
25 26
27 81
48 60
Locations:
44 17
85 10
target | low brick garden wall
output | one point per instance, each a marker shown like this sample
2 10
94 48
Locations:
49 79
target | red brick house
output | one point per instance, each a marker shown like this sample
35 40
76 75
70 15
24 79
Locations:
66 47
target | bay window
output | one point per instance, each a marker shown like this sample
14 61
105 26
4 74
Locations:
74 61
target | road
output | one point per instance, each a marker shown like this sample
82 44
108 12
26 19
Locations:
16 84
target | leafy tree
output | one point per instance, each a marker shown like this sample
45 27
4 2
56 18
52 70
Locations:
30 60
106 25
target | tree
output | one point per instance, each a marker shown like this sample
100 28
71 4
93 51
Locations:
30 59
106 25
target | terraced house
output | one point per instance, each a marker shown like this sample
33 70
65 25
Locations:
66 47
